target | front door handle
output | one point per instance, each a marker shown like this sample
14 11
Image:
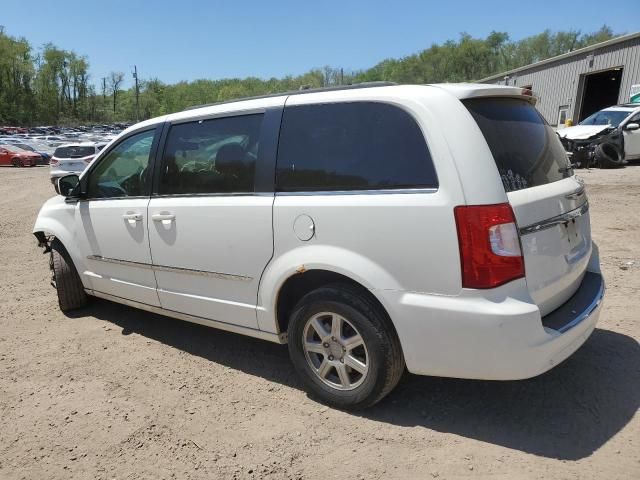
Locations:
132 218
165 218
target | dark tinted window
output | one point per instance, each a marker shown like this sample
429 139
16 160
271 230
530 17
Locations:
211 156
526 150
352 146
74 152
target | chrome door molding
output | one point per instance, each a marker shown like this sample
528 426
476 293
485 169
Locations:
165 268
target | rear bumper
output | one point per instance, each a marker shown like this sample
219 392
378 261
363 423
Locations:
492 335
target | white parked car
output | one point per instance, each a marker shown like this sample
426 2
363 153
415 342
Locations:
617 126
72 158
353 224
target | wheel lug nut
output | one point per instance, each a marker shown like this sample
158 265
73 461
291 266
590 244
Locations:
325 345
330 357
342 360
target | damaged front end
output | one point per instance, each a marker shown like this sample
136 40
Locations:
604 149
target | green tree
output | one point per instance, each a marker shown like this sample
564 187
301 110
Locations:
54 85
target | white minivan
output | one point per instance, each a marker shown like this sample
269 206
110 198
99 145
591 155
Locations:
374 228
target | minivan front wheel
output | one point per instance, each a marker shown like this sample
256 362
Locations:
344 348
71 294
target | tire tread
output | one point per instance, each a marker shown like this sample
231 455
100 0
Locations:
71 294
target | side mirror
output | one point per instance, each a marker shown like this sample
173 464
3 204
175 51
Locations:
630 127
66 185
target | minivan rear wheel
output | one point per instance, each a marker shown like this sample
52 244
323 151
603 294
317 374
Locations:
71 294
344 348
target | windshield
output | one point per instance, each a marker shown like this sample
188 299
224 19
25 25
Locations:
606 117
25 147
74 152
12 148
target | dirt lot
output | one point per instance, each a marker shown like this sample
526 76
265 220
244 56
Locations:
118 393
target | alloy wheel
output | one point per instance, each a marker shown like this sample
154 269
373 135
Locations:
335 351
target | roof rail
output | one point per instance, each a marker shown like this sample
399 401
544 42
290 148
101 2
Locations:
298 92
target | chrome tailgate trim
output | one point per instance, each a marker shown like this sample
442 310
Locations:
553 221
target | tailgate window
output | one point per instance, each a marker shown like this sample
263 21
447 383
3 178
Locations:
74 152
527 151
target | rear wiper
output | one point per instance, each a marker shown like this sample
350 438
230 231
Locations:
565 169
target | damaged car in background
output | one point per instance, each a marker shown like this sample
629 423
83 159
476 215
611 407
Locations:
605 139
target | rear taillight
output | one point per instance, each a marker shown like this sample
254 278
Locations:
54 161
489 245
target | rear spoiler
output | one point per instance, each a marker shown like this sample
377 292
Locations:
464 91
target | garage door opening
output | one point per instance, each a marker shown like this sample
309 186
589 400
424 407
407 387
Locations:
601 90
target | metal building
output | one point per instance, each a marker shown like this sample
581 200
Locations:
576 84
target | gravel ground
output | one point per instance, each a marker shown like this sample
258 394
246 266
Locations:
112 392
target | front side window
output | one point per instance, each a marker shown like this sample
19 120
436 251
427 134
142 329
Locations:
211 156
123 171
352 146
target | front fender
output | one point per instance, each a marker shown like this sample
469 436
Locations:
316 257
57 218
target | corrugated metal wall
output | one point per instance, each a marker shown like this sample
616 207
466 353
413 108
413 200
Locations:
559 83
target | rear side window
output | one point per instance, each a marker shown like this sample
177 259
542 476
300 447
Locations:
351 146
527 151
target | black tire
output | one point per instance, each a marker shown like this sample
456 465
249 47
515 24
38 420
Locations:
609 155
15 162
71 294
384 353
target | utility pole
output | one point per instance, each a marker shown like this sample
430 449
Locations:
341 76
135 76
104 95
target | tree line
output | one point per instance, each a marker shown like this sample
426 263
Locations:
49 85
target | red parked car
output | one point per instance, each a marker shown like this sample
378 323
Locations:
17 157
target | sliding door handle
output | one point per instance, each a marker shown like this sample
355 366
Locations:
163 217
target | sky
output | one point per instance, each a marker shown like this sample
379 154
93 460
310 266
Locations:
176 40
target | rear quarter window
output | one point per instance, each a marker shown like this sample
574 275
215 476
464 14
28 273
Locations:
352 146
527 151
